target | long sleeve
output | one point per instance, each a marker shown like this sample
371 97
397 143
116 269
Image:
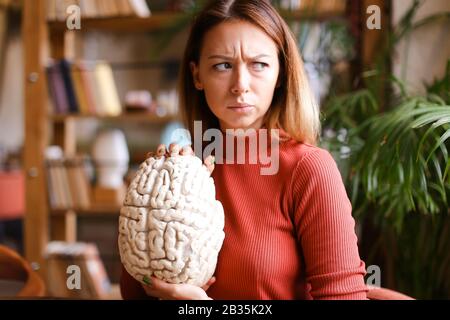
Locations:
326 229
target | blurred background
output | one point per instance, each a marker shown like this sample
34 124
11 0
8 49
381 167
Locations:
82 101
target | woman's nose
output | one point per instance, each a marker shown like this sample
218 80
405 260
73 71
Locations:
241 82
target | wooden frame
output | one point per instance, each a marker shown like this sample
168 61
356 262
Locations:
34 32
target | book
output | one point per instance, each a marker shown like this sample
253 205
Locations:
80 89
62 171
124 8
94 270
85 186
140 8
56 86
65 67
109 99
79 184
51 186
68 184
57 182
90 86
51 10
57 9
85 87
113 10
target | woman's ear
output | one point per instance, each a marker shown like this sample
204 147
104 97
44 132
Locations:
196 75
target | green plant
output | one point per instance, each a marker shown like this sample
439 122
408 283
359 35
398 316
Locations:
393 151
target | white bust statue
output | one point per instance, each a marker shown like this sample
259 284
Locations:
110 153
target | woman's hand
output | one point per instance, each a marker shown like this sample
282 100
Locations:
168 291
175 149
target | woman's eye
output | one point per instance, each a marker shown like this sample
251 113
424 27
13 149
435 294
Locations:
259 66
222 66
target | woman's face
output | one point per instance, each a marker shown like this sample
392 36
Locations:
238 71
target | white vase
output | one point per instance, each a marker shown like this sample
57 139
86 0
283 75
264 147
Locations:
110 153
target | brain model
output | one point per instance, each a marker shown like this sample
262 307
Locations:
171 225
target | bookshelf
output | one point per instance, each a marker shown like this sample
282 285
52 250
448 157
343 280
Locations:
43 39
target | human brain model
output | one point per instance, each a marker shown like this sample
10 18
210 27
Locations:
171 225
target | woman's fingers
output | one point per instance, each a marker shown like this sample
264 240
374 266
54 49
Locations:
159 289
209 163
174 149
161 150
187 151
209 283
168 291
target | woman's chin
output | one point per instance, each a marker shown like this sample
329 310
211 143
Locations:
240 124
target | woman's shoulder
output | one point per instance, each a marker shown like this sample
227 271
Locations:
311 165
304 154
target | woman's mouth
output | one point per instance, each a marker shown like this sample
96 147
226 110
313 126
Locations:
241 108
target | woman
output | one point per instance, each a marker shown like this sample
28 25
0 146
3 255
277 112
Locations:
289 234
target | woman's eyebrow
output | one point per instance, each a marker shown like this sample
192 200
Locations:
218 56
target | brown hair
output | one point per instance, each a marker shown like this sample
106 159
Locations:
293 109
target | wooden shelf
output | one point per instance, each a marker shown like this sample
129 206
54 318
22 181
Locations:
162 20
312 14
94 210
126 117
155 22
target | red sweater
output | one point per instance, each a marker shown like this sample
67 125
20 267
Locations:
287 236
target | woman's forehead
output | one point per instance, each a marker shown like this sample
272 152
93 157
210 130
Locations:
238 38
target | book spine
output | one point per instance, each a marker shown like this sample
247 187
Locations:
68 84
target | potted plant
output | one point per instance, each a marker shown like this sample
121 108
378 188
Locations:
393 152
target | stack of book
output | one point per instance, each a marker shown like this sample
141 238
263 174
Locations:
75 270
84 87
60 9
68 184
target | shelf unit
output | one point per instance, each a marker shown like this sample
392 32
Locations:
44 38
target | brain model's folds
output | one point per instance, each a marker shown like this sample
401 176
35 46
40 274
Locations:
171 225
